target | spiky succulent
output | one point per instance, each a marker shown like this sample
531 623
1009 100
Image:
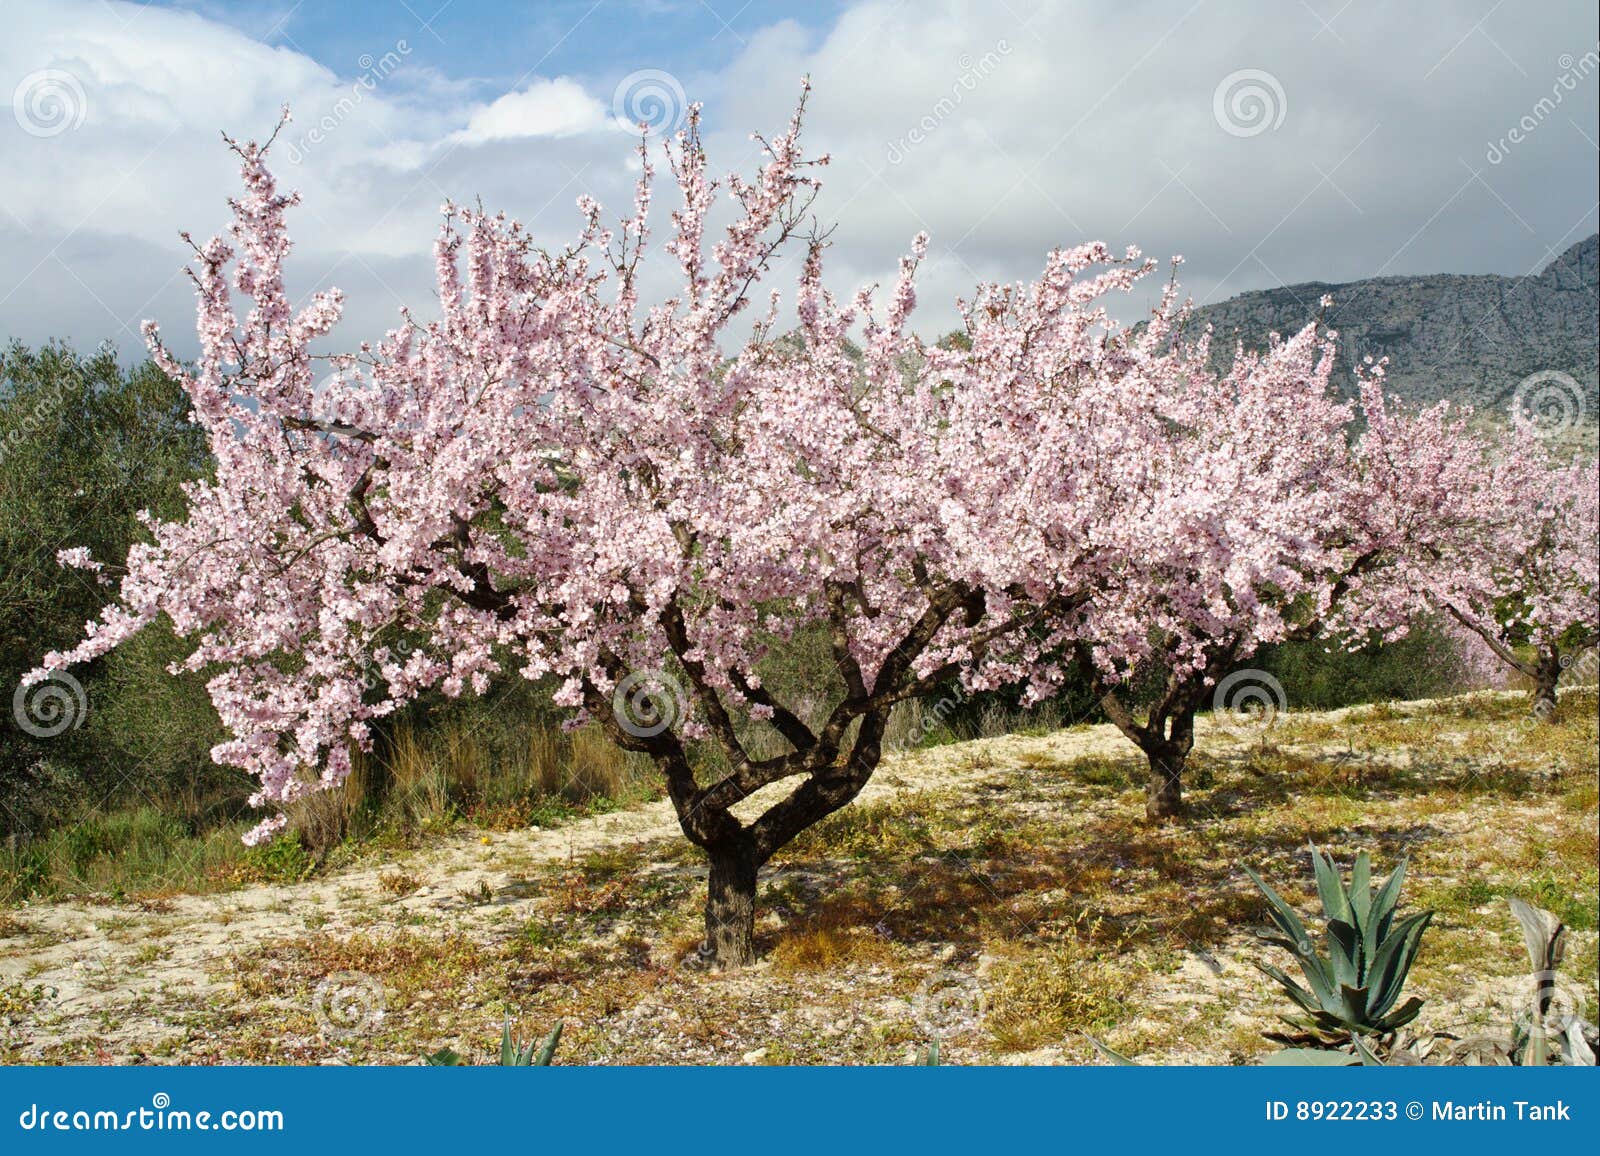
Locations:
1354 986
512 1054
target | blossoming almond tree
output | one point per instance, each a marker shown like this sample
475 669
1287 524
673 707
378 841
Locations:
1235 546
1517 562
554 480
1265 519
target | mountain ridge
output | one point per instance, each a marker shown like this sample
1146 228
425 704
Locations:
1471 337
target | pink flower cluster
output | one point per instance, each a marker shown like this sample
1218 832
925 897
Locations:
555 479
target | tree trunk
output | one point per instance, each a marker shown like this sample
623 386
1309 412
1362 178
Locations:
1164 795
731 905
1546 674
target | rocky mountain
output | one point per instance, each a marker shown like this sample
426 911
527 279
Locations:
1472 338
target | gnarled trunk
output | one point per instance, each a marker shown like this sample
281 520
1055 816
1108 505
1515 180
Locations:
1167 755
1546 674
731 904
1163 797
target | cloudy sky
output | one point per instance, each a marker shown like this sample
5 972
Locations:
1268 143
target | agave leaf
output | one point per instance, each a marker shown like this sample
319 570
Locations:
1316 971
508 1047
1278 940
1369 1058
1361 889
1344 949
1308 1058
1389 968
1354 1008
1311 1003
1544 934
930 1055
1577 1051
1335 903
1115 1057
444 1058
1537 1052
1383 905
1400 1017
547 1049
1282 914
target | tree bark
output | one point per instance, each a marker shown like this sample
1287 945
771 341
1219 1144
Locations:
1167 755
1546 674
731 904
1164 794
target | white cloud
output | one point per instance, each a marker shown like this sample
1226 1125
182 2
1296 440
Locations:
558 107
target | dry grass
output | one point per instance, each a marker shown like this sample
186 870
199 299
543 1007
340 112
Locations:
1009 916
398 883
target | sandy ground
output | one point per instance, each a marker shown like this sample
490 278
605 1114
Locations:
123 974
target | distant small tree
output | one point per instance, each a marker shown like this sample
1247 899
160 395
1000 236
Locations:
1266 519
1523 575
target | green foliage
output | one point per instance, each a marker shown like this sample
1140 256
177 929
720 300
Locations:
512 1054
84 447
280 861
1318 675
136 849
1354 986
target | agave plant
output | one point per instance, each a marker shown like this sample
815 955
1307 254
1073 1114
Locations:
1544 1033
1354 987
512 1054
